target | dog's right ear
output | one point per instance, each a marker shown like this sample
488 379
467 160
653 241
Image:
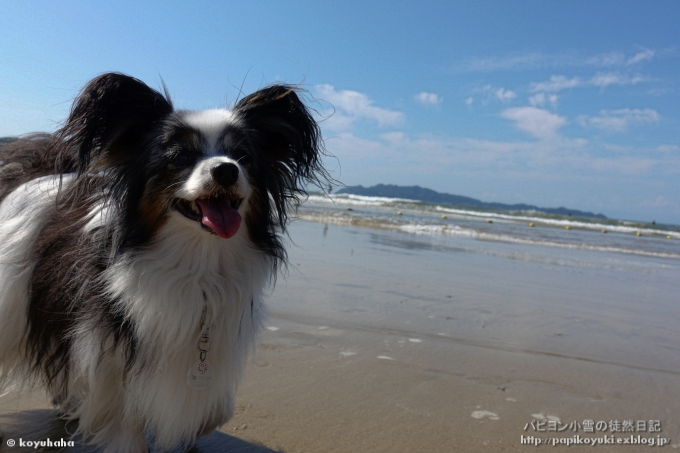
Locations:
109 124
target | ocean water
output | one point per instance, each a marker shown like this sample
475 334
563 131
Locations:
604 298
519 227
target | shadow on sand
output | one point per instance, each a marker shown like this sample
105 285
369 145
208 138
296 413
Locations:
43 424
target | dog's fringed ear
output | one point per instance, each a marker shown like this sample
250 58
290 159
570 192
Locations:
108 123
288 142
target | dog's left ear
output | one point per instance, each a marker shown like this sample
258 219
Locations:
109 122
287 140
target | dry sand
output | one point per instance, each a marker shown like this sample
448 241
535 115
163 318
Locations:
390 342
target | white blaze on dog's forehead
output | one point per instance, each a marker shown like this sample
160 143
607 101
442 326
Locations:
210 123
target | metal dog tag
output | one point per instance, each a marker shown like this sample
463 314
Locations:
200 376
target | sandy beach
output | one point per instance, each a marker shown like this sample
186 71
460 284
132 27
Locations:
381 341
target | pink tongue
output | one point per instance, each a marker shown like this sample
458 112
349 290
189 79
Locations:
220 217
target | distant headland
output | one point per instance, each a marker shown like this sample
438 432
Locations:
431 196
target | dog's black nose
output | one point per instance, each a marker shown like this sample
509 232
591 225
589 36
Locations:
225 174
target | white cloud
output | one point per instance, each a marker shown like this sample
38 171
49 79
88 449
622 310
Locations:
627 165
488 64
469 101
556 83
428 98
357 149
538 122
351 106
505 95
604 80
600 80
619 120
535 60
338 121
643 55
541 99
393 137
491 93
553 159
661 202
668 149
537 100
608 59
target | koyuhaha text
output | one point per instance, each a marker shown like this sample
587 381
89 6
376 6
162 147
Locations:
40 443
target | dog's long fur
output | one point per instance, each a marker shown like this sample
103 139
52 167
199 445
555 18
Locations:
106 274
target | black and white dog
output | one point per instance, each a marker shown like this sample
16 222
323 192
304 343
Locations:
135 246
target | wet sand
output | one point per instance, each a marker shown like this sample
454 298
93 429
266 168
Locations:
382 341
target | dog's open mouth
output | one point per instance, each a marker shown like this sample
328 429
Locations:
217 214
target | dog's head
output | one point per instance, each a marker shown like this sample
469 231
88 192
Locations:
212 170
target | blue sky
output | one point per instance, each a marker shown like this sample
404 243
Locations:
574 105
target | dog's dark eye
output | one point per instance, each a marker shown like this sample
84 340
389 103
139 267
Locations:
182 159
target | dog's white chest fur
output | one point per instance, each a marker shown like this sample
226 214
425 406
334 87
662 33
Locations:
184 281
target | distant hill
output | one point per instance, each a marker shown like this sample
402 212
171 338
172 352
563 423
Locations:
431 196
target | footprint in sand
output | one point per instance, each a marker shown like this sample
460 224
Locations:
482 414
541 416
